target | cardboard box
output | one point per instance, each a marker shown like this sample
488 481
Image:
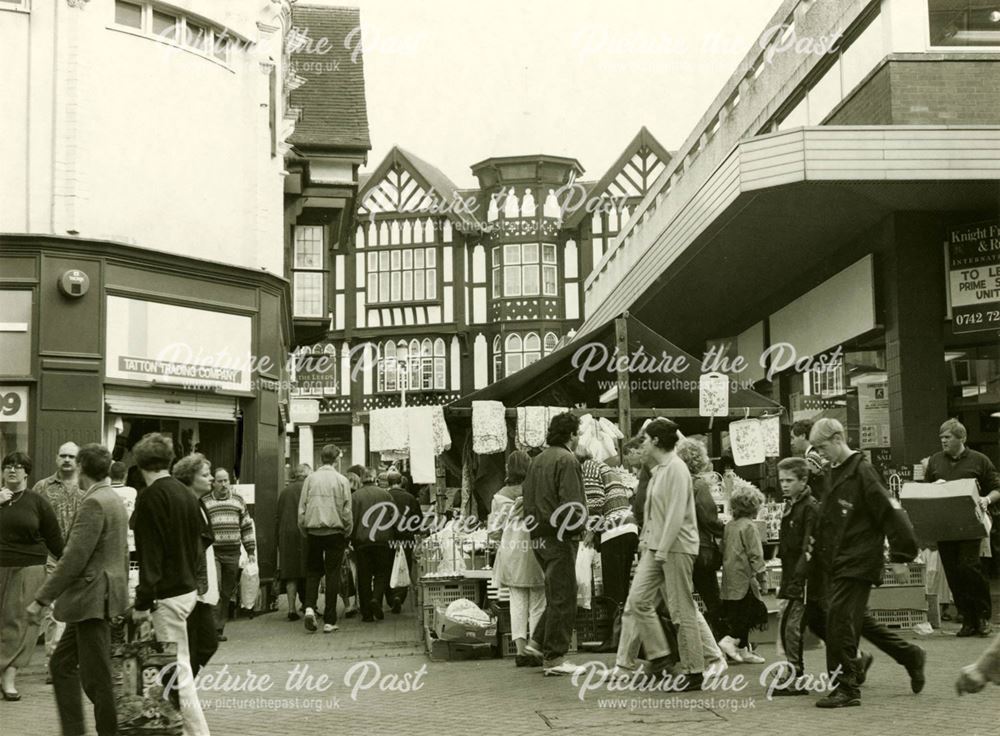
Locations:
447 629
943 512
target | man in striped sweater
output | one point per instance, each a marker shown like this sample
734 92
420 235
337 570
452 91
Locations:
232 526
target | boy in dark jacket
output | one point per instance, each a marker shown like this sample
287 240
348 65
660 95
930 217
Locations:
797 524
855 518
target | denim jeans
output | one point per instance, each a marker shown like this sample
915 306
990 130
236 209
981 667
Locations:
554 629
227 569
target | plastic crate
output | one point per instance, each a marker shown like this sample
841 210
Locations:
593 625
899 618
772 577
502 613
916 575
700 603
507 646
443 592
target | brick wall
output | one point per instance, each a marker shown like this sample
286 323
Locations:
935 92
869 105
946 93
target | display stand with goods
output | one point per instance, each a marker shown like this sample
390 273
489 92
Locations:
137 661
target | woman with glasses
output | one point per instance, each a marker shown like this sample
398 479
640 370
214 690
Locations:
29 533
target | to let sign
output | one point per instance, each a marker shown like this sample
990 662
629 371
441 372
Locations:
974 277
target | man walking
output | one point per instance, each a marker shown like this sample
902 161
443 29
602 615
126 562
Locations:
855 518
670 545
326 521
168 526
555 507
89 586
231 526
960 558
371 545
409 519
62 491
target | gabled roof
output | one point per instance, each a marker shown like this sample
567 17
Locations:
643 141
333 113
430 179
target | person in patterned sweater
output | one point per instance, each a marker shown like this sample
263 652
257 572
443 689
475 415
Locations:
232 526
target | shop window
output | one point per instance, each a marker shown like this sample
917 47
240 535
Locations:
307 271
964 23
15 333
402 275
525 269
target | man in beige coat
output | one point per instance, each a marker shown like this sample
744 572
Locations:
89 587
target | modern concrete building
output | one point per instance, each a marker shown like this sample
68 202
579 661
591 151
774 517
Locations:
839 203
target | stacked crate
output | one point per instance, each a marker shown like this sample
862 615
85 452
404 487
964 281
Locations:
440 592
901 600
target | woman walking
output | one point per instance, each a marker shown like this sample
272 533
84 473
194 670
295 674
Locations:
29 533
515 565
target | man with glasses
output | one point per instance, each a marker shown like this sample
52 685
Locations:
62 491
232 526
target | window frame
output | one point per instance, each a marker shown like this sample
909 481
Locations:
387 270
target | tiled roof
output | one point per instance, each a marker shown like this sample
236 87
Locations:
332 99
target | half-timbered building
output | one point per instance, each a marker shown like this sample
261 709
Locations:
440 290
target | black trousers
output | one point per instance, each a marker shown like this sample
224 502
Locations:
83 659
617 555
554 629
202 639
847 620
374 567
324 556
706 585
969 585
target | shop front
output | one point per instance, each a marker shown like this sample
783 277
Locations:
105 342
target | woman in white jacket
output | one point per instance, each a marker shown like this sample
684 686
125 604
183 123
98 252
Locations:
515 566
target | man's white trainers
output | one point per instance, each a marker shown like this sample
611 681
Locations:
566 668
329 628
728 646
750 657
310 620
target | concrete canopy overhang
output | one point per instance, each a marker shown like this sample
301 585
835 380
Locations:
781 206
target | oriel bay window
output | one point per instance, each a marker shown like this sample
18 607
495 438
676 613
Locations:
417 365
308 271
402 275
524 269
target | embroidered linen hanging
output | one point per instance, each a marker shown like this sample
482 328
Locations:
770 428
747 442
713 395
489 427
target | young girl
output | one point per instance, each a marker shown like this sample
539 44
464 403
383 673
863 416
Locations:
742 570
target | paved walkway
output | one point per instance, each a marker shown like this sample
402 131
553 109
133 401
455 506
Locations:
375 678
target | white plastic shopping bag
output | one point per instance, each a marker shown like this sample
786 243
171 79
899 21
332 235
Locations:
249 585
400 577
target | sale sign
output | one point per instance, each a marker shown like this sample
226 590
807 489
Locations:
974 277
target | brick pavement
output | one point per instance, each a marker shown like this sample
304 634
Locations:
463 696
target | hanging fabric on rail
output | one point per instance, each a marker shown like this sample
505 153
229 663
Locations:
489 427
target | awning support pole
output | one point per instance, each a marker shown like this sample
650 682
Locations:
624 395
